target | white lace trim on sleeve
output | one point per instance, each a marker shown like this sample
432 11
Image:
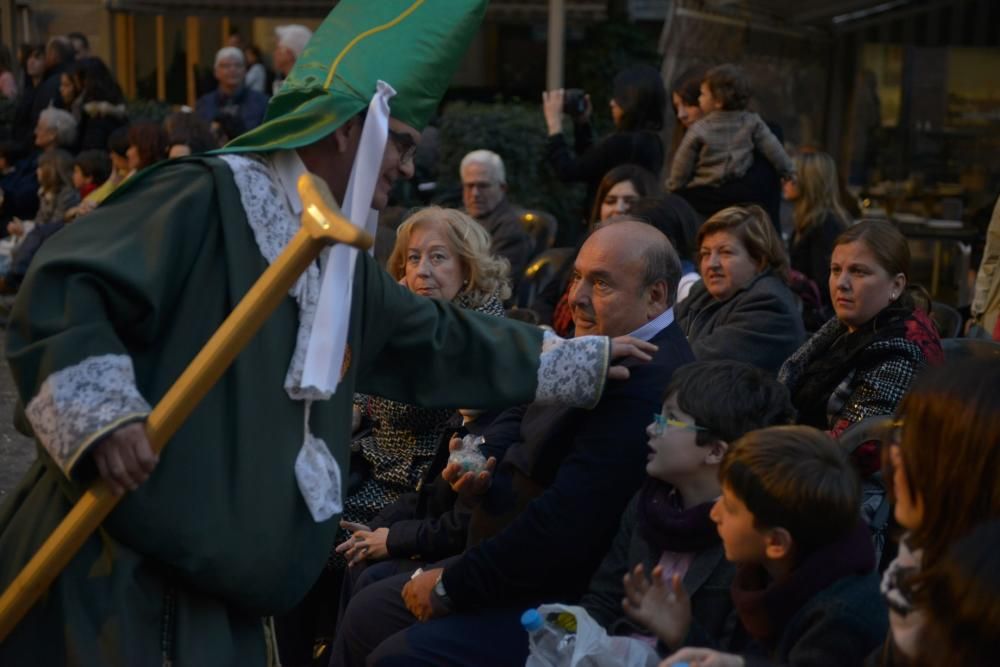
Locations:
572 371
79 404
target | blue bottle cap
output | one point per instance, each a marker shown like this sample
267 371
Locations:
531 620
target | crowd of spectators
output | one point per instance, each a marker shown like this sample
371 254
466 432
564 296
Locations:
69 110
705 506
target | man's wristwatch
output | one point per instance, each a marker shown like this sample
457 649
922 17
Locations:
441 594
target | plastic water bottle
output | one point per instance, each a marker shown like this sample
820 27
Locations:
545 639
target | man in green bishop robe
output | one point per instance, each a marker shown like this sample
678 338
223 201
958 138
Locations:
235 522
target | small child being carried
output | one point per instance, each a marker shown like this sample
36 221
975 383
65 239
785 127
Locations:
719 148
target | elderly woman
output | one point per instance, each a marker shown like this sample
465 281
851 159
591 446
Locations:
742 309
441 254
861 362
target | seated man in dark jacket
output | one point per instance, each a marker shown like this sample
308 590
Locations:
554 505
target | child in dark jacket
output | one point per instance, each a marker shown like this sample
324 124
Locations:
667 528
805 589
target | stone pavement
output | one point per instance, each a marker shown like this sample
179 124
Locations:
16 451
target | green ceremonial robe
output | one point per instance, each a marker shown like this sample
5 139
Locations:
219 536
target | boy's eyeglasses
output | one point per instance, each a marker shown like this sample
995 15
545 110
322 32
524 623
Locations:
661 423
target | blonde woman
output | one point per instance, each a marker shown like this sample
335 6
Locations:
820 217
441 254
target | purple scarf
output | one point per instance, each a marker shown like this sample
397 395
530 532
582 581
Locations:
666 526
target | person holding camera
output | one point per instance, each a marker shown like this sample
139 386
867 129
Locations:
637 106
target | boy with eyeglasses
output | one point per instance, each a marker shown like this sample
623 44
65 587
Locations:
666 528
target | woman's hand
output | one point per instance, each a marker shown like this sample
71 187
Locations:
627 346
470 486
15 227
364 543
552 107
665 611
125 459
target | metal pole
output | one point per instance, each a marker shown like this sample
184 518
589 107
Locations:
557 44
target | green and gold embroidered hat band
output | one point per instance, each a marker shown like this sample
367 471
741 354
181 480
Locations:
413 45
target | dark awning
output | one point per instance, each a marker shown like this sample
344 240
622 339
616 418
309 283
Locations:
511 10
318 8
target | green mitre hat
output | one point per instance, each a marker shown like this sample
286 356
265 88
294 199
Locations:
413 45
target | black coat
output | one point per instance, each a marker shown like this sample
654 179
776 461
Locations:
592 161
556 501
758 325
47 93
810 253
20 192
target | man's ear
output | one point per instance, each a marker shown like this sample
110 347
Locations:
503 187
658 295
342 135
778 544
716 451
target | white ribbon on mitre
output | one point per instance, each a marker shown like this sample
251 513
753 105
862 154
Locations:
316 470
328 337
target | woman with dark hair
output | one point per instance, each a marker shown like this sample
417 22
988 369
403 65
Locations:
147 145
742 309
34 74
637 106
101 103
963 593
944 458
618 191
861 362
187 134
684 96
620 188
759 185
